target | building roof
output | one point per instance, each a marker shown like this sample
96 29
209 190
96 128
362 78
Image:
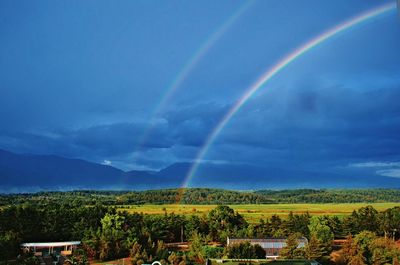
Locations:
51 244
267 243
267 239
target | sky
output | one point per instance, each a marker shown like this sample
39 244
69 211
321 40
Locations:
93 79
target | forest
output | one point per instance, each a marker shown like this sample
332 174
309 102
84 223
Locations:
206 196
108 234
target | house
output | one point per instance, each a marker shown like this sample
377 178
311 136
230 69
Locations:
49 248
272 246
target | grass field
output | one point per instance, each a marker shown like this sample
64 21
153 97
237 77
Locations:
254 212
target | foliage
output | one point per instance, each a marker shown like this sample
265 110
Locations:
204 196
224 219
8 245
110 234
321 237
245 250
28 259
314 249
332 196
153 252
78 258
366 248
196 248
292 250
212 252
297 224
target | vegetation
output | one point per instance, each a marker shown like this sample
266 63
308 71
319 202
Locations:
332 196
367 248
245 251
206 196
109 232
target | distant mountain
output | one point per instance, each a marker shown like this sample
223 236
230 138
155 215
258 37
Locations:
26 172
49 171
22 172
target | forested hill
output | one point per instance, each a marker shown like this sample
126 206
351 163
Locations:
206 196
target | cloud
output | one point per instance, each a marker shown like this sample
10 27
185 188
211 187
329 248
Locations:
375 164
386 169
107 162
175 137
394 173
307 125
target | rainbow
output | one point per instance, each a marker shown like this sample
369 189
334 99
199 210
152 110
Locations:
200 53
190 65
279 66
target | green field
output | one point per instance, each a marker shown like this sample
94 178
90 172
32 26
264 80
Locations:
254 212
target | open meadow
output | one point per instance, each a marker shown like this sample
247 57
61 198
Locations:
253 212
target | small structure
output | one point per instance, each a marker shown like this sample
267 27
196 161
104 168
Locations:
49 248
272 246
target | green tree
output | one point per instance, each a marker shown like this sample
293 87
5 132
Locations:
245 250
365 219
275 225
389 222
224 218
364 242
319 229
336 225
8 245
212 252
314 249
112 237
297 223
322 232
196 248
138 255
290 250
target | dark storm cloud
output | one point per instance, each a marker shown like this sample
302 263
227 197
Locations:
122 138
316 123
187 126
99 140
193 122
311 124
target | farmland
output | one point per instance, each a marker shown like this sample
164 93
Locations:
253 212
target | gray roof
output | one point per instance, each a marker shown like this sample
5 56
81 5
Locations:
267 242
51 244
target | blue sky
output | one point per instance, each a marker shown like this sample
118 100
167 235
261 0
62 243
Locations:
83 79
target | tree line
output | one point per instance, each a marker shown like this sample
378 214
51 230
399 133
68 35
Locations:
205 196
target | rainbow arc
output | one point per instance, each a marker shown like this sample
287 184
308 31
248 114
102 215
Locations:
273 71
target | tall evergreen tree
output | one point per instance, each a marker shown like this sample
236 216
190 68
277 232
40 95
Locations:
292 243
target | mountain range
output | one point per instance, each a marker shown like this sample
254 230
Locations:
28 172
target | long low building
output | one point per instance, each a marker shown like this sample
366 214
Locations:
272 246
47 248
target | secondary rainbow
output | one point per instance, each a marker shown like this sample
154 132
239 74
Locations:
190 65
200 53
285 61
